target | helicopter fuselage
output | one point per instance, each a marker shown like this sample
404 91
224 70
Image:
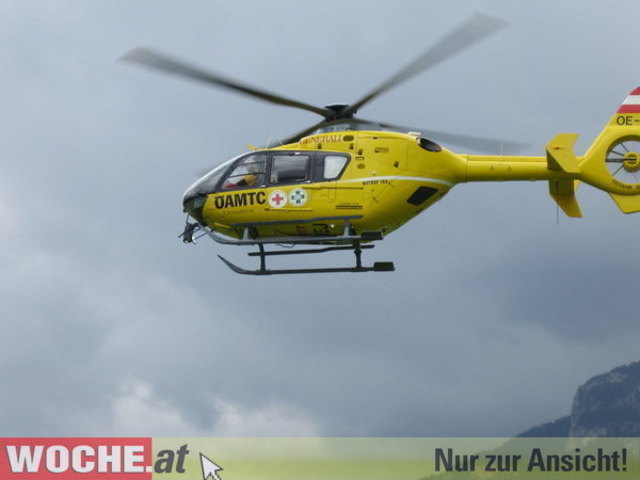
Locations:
377 180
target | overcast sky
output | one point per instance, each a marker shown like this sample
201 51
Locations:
111 326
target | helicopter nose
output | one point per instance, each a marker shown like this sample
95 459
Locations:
193 203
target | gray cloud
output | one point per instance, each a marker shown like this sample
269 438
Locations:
112 326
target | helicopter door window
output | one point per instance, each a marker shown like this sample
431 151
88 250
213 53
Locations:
248 172
333 166
289 169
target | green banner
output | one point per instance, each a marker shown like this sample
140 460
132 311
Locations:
395 458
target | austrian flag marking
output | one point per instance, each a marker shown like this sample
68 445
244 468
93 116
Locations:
631 104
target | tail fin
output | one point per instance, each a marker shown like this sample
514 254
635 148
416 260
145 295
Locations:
560 156
613 161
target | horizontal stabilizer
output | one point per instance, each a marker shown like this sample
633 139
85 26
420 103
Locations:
564 193
560 155
627 203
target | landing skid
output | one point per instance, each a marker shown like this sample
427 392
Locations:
347 241
263 270
377 267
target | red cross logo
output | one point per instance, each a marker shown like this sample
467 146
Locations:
278 199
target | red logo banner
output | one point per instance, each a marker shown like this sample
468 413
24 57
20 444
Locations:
76 458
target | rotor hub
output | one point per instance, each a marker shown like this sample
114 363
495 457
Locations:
631 162
338 110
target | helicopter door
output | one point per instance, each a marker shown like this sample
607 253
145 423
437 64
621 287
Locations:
331 168
388 151
342 196
249 172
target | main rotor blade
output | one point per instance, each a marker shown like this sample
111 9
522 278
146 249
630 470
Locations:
164 63
297 136
481 144
472 31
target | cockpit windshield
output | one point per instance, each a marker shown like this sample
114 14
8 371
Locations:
208 183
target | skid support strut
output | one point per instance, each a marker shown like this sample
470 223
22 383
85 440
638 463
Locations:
355 246
348 240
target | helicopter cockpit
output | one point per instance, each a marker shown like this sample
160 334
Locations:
262 169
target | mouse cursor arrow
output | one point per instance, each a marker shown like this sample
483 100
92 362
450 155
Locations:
209 469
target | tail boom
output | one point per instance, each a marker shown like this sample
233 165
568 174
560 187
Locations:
612 163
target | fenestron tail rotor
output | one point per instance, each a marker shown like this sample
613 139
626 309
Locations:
623 160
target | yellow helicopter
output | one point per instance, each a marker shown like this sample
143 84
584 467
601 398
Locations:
346 182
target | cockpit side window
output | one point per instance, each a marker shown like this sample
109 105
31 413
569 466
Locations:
333 166
247 173
289 169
